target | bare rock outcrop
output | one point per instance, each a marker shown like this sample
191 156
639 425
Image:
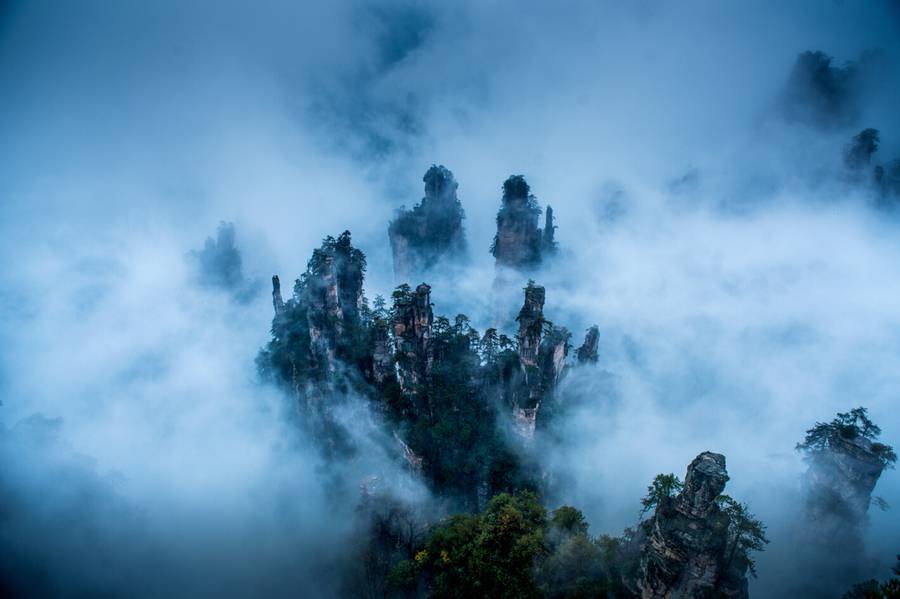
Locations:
413 320
382 357
519 243
315 332
587 353
542 351
687 552
531 323
845 462
277 299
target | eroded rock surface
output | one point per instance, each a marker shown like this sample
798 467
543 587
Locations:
542 351
519 242
839 483
686 554
587 353
413 320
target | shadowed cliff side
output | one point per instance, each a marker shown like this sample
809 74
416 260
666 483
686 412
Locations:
432 231
519 242
698 542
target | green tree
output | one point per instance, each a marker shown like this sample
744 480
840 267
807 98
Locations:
663 487
847 426
745 534
488 555
569 520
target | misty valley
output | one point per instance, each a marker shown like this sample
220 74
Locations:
396 299
468 413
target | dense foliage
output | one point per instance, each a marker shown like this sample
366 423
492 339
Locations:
453 418
448 405
513 549
745 534
449 395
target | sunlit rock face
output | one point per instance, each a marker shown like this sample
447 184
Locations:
432 231
519 243
685 553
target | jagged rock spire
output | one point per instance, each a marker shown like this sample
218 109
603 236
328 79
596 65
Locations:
432 230
685 555
413 320
845 462
519 242
587 353
318 327
531 321
277 300
705 480
542 353
548 242
382 359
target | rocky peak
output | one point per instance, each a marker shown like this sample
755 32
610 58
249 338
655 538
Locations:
440 186
319 326
686 553
432 230
413 320
845 462
548 241
587 353
552 357
382 358
277 300
519 242
531 322
705 480
542 352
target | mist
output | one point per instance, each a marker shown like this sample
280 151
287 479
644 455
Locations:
743 281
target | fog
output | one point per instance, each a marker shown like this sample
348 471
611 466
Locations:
743 282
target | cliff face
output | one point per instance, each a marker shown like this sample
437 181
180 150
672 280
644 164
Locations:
687 553
519 242
845 462
277 299
839 486
317 331
382 357
531 323
542 352
413 320
587 353
443 389
432 230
